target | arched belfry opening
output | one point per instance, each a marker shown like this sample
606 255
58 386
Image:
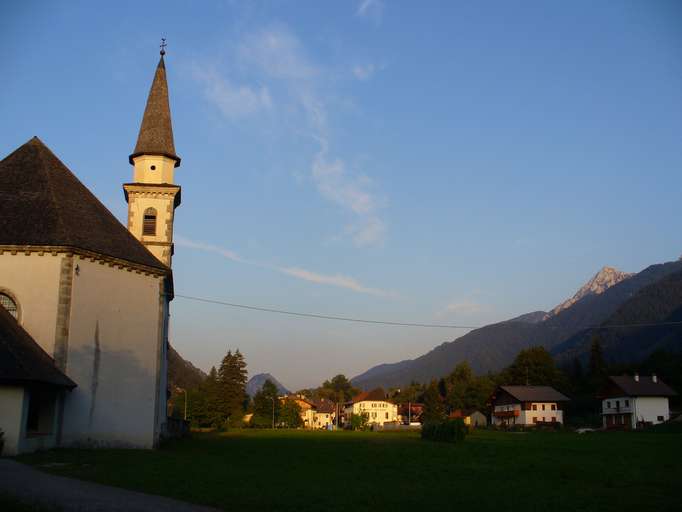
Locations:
149 222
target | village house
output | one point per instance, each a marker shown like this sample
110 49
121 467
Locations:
631 402
375 405
471 418
325 414
527 405
84 329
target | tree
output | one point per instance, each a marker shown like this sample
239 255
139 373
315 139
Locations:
290 414
231 389
434 411
597 366
359 421
266 406
339 389
466 391
534 366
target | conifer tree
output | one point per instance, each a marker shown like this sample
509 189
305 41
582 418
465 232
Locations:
266 406
434 411
290 414
231 385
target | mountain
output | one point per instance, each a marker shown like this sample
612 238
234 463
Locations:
602 281
181 373
660 302
531 318
493 347
256 383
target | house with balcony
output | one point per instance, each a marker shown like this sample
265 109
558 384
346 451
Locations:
527 406
631 402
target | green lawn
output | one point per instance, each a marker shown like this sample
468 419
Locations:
298 470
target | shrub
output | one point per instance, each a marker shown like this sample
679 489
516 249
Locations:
359 421
449 431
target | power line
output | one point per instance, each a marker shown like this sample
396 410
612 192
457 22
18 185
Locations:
325 317
385 322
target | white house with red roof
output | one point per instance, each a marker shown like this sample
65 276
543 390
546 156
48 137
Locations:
374 404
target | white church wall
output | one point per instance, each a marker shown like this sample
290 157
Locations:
114 348
33 280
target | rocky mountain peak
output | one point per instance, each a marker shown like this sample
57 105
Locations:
602 281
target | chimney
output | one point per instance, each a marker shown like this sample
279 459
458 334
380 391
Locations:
654 378
636 377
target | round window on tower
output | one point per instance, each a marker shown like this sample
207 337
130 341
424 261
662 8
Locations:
153 167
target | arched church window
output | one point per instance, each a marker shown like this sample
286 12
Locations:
149 224
9 304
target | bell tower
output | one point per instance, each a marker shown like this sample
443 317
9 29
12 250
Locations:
153 196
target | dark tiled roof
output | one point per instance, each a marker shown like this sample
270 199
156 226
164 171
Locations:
324 406
376 394
156 131
535 393
22 361
645 387
42 203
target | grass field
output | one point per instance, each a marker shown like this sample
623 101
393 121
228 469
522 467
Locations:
302 471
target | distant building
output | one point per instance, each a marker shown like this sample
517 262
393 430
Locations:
375 405
527 405
325 413
634 401
471 418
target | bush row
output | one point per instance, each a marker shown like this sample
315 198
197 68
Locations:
449 431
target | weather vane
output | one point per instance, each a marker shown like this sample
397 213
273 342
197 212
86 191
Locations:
163 46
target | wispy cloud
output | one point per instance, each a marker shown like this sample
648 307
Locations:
371 9
464 307
200 246
336 280
277 56
234 101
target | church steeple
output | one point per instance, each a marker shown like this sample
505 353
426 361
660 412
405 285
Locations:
153 195
156 130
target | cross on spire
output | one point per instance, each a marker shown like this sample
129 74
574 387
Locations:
163 46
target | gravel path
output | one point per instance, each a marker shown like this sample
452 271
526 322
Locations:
35 487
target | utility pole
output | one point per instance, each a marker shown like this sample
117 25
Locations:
409 413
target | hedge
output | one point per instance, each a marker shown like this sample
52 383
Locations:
449 431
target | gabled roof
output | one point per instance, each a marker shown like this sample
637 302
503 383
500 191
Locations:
22 361
645 386
535 393
324 406
376 395
42 203
156 130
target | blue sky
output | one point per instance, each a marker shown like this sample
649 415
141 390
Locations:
431 162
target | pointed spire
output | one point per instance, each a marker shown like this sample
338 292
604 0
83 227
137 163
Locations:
156 131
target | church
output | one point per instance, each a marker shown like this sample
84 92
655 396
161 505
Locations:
85 300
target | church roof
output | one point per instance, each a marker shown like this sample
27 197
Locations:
156 131
42 203
22 360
